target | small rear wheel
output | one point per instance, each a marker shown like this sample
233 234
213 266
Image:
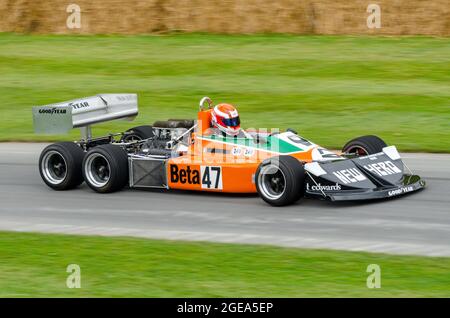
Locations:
60 165
280 180
105 168
365 145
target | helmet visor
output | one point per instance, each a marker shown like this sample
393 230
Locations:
231 122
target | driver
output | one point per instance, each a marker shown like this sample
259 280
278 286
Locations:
225 121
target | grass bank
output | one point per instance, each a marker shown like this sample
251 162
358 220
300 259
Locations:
34 265
329 88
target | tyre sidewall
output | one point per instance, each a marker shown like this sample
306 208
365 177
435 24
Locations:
371 144
118 163
294 175
73 156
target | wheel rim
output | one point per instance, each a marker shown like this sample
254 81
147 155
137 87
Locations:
358 151
272 182
54 167
97 170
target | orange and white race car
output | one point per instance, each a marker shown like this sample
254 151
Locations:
281 167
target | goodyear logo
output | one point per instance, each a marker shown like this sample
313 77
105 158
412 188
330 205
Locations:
52 111
400 191
79 105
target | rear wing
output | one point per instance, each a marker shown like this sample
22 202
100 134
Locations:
61 117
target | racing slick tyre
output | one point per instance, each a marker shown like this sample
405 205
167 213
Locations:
138 133
105 168
280 180
365 145
60 165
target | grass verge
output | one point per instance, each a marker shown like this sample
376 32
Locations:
329 88
34 265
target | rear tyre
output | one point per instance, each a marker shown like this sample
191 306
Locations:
105 168
138 133
60 165
365 145
280 180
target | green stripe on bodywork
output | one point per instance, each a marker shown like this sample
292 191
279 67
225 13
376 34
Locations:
273 144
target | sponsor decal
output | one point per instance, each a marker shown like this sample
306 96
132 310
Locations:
210 177
319 187
52 111
188 175
400 191
249 152
79 105
236 151
350 175
383 168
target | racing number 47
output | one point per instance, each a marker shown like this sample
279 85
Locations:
211 177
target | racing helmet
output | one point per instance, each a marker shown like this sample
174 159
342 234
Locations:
225 117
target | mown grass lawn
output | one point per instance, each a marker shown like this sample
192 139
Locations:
34 265
329 88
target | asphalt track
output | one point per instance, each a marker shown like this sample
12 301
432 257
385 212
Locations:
413 224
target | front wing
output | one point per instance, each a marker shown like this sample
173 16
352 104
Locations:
375 176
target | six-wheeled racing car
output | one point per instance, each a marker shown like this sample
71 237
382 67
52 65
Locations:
281 167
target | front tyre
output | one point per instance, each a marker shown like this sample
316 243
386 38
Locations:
105 168
280 180
60 165
365 145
